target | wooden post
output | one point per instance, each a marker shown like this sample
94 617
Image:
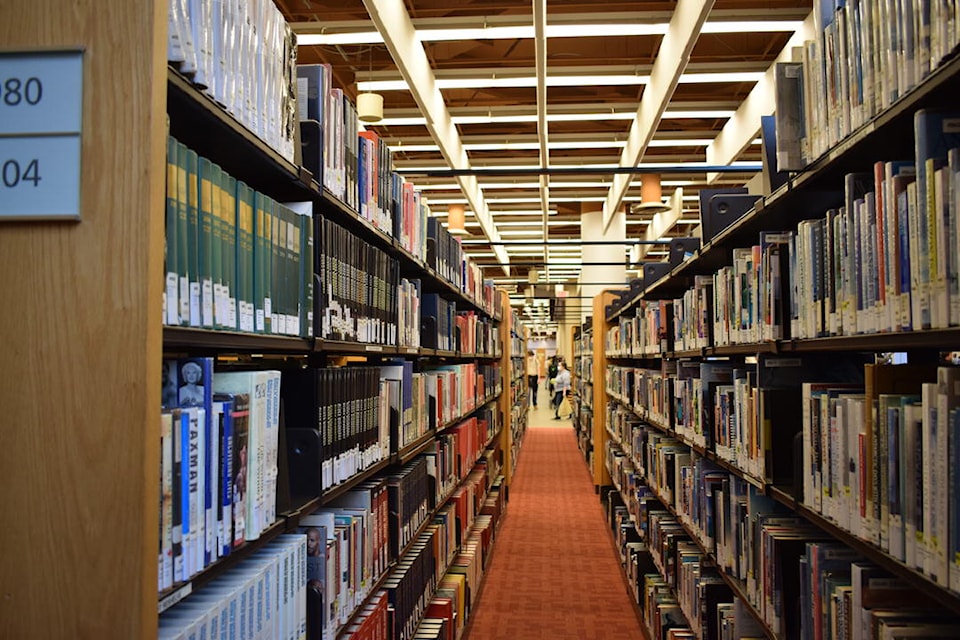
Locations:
81 327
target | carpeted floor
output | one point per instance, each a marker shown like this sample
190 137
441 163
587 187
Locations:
554 574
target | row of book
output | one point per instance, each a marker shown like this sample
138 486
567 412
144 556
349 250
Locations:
218 472
879 458
802 583
350 410
243 54
356 166
262 597
362 298
671 579
359 288
642 333
863 58
446 329
235 258
429 589
886 260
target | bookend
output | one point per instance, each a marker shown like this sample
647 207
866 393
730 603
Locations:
723 209
681 249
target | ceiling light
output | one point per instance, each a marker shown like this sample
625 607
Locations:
526 31
370 107
492 118
651 195
520 233
455 219
538 225
506 145
492 81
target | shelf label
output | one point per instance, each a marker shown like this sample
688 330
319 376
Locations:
41 115
371 347
40 178
175 597
41 92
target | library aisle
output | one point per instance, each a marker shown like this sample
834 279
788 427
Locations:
554 573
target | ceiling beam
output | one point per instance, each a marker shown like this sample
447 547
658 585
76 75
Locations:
488 27
540 42
393 22
594 75
744 126
675 50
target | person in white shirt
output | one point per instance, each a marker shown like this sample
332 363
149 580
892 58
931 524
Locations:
533 377
561 387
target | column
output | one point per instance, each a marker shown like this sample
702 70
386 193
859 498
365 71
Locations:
596 278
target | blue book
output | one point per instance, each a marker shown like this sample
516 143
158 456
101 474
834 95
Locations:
935 133
223 405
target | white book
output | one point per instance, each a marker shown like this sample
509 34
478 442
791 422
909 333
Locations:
192 502
948 399
910 446
940 302
924 539
852 428
916 290
253 383
952 236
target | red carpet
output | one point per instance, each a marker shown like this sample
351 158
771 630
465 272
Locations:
554 573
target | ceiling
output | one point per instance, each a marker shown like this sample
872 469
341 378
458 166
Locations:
525 85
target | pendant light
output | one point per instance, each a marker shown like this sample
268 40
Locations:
455 219
651 195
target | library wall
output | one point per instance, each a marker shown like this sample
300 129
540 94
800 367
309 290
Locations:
82 344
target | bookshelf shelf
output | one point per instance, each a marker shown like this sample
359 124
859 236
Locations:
943 596
819 186
200 123
195 340
732 582
415 448
175 594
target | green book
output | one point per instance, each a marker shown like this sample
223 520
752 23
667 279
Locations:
192 237
244 280
231 282
208 178
213 245
171 258
259 247
292 273
276 270
306 275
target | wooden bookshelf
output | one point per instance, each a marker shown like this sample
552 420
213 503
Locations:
601 477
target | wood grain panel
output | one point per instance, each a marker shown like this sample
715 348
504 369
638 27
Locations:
601 477
82 341
506 396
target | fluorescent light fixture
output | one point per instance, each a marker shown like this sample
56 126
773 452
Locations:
538 225
528 81
560 144
685 114
520 233
554 184
525 31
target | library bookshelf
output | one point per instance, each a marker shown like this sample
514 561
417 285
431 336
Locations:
768 466
81 471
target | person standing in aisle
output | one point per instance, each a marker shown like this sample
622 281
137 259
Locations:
551 377
533 377
561 387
